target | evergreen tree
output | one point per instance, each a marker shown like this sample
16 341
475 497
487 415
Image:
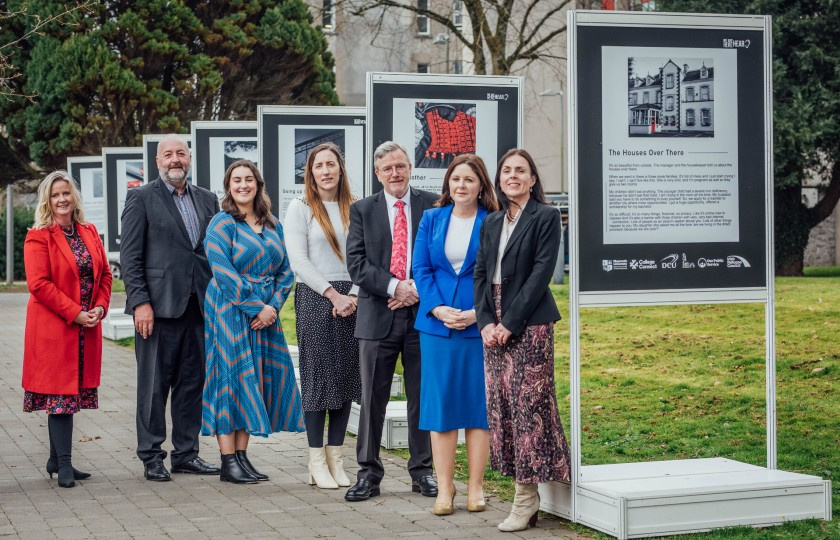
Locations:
152 66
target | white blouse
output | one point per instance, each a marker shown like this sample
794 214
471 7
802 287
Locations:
458 240
312 258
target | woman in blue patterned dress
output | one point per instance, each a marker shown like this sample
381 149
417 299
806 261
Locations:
250 386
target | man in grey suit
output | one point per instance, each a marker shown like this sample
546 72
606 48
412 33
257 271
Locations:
379 241
166 274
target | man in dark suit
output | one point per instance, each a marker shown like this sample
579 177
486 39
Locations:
166 273
379 243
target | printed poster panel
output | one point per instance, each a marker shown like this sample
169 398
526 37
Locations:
437 118
671 158
150 144
87 171
289 133
123 169
218 144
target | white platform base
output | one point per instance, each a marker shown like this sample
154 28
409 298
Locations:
117 325
395 430
637 500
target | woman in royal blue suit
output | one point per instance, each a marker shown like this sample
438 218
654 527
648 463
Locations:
452 394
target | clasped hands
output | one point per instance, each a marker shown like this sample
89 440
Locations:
404 295
495 334
90 318
265 318
344 305
456 319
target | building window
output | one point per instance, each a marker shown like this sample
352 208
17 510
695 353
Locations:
704 72
704 93
669 103
458 13
658 97
422 68
689 93
689 117
458 67
646 97
423 20
669 80
633 98
705 117
328 16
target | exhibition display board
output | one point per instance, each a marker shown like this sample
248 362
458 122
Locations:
150 143
670 145
122 170
87 171
437 117
287 133
215 145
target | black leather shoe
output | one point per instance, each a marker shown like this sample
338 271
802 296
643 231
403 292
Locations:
156 472
232 471
425 485
195 466
242 458
362 490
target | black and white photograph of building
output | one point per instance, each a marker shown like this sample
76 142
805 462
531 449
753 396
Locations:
671 97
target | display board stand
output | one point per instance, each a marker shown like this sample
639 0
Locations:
636 500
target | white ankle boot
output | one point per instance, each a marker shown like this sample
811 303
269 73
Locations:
336 465
319 473
523 513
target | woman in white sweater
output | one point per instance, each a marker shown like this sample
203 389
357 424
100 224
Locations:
325 310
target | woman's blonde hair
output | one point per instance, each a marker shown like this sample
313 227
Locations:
43 212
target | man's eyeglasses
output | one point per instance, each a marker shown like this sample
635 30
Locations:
389 170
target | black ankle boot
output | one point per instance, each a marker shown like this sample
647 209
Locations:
233 472
65 472
52 468
242 457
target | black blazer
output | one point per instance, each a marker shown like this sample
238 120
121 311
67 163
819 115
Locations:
369 258
159 264
527 268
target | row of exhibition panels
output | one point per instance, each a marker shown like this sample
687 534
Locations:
435 117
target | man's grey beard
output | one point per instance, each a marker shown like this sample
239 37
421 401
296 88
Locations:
174 180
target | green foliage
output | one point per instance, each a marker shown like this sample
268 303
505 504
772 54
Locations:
806 93
151 66
24 217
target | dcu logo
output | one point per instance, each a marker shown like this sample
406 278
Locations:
670 261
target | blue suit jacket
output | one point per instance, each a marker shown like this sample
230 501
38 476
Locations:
436 280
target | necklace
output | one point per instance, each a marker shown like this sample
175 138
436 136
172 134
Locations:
72 230
513 219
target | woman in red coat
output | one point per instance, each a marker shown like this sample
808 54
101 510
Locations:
70 284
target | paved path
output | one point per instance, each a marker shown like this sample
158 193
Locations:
116 502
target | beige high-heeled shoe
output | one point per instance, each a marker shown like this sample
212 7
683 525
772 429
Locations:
523 513
335 463
444 509
478 505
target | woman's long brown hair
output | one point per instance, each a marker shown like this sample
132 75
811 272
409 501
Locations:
316 205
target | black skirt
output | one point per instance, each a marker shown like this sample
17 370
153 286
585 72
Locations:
329 354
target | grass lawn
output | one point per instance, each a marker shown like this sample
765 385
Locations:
676 382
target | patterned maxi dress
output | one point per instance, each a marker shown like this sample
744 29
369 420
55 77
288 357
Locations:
250 382
87 398
526 436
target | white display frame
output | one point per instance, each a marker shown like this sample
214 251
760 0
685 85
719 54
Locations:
607 505
279 189
239 130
